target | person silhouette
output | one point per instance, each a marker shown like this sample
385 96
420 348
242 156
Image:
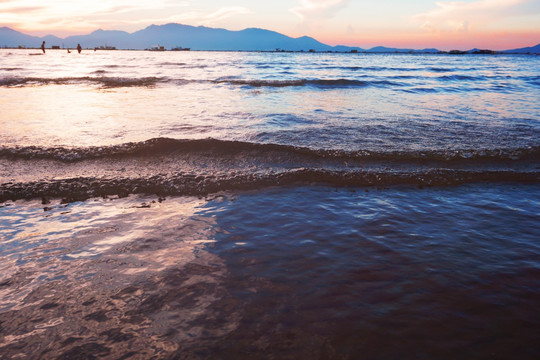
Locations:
43 47
79 48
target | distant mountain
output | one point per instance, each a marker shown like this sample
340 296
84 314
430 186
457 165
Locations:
120 39
174 35
198 38
204 38
531 49
12 38
384 49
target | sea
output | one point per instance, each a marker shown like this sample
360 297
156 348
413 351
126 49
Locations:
269 205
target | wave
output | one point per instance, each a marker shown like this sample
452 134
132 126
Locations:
436 69
167 166
11 69
461 78
170 63
533 80
112 82
100 79
108 82
321 83
261 83
215 147
397 69
82 188
370 68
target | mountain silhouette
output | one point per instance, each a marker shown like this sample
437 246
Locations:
198 38
12 38
174 35
532 49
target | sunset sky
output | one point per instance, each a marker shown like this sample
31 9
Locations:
494 24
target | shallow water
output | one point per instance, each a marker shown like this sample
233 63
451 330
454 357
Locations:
213 205
303 273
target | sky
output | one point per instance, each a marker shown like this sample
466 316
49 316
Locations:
445 25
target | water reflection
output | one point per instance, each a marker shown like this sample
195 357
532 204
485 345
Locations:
107 98
107 278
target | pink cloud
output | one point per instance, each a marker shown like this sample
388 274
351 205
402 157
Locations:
317 9
459 16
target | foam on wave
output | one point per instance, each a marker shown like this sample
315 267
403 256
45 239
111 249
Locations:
157 146
78 189
108 82
382 82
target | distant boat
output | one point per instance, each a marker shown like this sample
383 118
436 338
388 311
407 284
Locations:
105 47
156 48
179 48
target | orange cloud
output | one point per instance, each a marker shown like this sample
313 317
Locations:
317 9
459 16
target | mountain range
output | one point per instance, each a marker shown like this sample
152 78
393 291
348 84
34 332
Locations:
197 38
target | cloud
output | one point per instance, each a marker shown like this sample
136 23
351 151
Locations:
318 9
84 15
199 17
459 16
25 9
224 13
78 15
88 7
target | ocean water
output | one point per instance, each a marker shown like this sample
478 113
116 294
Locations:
217 205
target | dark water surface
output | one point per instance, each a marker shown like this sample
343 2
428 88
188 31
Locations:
391 274
293 272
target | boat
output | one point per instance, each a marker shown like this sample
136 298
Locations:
105 47
179 48
156 48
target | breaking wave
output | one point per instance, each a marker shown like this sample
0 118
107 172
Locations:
82 188
113 82
390 81
158 146
107 82
199 167
322 83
